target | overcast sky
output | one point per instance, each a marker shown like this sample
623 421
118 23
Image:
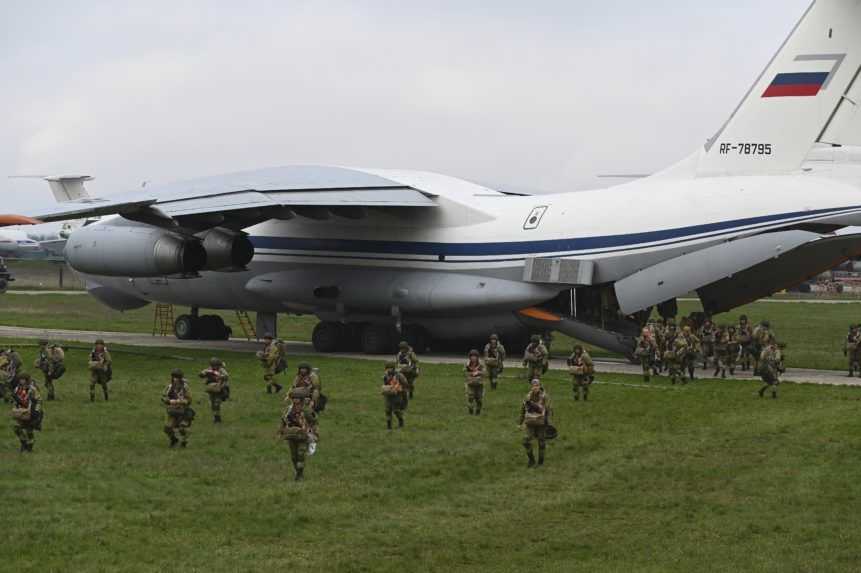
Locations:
518 95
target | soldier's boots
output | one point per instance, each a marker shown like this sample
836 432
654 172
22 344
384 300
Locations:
389 423
585 394
493 384
269 388
774 394
411 394
400 421
92 396
470 410
531 456
173 441
278 388
540 456
23 447
478 409
216 419
762 391
300 473
183 444
105 391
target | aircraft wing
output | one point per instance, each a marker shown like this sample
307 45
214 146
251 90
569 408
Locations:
277 192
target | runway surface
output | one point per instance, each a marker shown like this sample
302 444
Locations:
613 366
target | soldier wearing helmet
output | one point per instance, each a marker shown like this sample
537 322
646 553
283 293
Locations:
299 429
273 362
394 391
536 358
494 360
645 351
217 385
582 371
474 372
534 419
307 385
745 340
770 367
50 360
852 349
101 369
408 365
694 350
177 401
26 411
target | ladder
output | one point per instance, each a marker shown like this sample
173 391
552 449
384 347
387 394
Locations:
246 325
162 322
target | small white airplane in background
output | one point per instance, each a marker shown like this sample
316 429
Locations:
769 201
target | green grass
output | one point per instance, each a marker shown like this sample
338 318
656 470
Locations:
706 477
813 333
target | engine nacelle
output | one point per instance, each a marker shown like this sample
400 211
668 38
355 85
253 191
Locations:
226 251
133 251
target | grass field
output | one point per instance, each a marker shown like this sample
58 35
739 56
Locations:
707 477
814 333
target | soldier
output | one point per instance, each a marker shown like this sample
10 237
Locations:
645 352
659 334
307 385
761 335
694 350
101 369
271 359
474 382
177 400
535 358
408 364
50 362
720 340
707 338
676 359
745 340
26 411
729 351
582 372
494 359
217 386
12 368
534 418
5 377
770 367
394 393
298 428
851 350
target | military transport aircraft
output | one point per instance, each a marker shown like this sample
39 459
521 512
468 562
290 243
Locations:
379 253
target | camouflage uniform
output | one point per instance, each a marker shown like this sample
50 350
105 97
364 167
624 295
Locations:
270 357
676 358
534 418
408 364
535 358
26 411
10 367
474 382
694 350
177 401
582 372
707 337
645 352
394 394
670 334
494 359
745 340
770 368
50 362
101 369
761 336
306 385
298 428
217 386
852 351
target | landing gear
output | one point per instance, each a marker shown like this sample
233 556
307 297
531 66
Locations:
329 337
378 339
207 327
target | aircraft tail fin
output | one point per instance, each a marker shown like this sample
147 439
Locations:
809 93
68 187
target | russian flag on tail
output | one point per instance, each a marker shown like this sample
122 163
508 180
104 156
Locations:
796 84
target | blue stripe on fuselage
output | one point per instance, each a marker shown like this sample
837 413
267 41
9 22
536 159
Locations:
520 247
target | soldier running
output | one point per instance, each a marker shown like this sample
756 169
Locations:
474 382
494 359
394 393
851 349
770 368
177 401
408 365
101 369
645 352
26 411
534 419
50 361
582 372
535 358
298 428
271 360
217 386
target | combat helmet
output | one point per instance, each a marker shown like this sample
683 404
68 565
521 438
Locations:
390 365
403 344
215 362
304 365
177 373
473 352
494 336
535 338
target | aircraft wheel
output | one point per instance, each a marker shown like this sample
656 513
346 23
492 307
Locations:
212 327
351 337
327 336
3 286
377 339
185 327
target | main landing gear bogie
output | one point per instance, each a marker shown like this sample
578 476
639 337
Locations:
367 338
206 327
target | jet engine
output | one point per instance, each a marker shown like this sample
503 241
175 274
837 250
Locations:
225 250
133 251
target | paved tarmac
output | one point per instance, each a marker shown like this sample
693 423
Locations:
613 366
